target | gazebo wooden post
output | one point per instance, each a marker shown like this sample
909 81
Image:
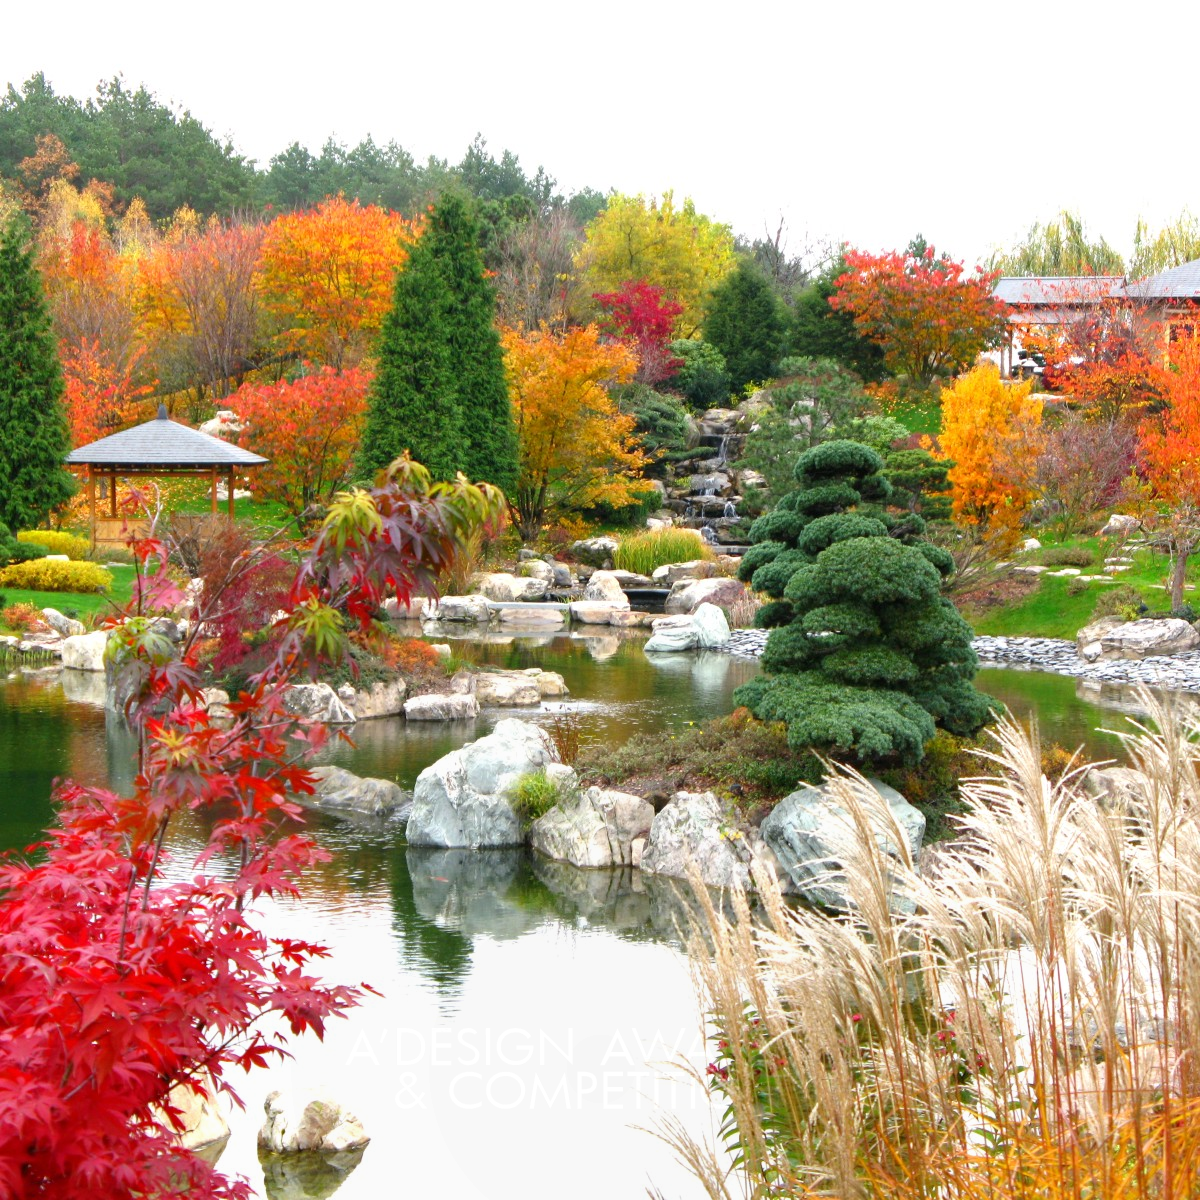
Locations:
214 491
112 494
91 495
230 493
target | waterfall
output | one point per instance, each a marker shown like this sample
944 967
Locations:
730 510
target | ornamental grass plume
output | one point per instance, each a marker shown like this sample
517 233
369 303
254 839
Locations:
1021 1025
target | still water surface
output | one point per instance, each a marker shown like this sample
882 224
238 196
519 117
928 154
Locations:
527 1007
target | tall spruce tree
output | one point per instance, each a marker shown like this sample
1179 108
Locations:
489 436
34 436
414 404
866 656
745 323
441 391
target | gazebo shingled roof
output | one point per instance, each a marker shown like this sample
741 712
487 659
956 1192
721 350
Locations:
162 445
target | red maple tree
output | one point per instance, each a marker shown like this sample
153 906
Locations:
118 983
639 316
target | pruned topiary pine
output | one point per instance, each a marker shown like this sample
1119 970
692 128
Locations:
866 657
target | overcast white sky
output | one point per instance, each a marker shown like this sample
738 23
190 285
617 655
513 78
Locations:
865 121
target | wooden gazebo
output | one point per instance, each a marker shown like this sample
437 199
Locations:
162 448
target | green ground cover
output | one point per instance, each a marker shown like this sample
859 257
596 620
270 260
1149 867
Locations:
80 605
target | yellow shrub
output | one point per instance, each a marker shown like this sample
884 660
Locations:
56 542
42 575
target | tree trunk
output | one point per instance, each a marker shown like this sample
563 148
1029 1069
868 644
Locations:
1178 570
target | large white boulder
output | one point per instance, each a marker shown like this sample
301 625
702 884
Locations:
606 587
441 707
704 629
309 1119
316 702
809 831
694 828
505 689
471 609
594 829
1120 525
204 1123
463 798
1137 639
688 594
506 589
672 573
85 651
383 698
535 568
63 625
339 790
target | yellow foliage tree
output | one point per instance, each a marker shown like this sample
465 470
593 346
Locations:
677 249
990 430
577 448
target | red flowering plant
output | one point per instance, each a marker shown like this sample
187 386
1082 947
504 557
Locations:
120 982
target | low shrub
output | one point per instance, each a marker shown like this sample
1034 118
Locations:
14 551
533 795
410 656
42 575
1068 556
22 617
1077 586
1121 601
57 542
643 552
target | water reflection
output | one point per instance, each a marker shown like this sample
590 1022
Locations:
307 1176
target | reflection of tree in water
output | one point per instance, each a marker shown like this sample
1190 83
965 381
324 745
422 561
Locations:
436 952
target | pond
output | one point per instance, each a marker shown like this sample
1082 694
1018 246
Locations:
527 1007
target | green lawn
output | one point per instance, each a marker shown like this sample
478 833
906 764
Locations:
919 416
80 605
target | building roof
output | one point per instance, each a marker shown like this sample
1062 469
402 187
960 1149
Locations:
1050 291
163 444
1179 283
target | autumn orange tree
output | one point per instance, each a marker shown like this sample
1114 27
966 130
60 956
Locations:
327 277
928 317
1169 449
308 428
576 448
990 431
100 396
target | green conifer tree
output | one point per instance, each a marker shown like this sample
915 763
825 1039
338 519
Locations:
414 403
489 436
866 657
34 436
745 324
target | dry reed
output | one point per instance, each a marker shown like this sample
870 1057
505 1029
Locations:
1019 1024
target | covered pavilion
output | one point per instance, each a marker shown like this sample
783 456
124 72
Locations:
160 448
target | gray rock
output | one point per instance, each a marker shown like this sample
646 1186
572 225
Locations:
1087 640
216 702
384 698
624 618
672 573
605 587
693 827
462 799
596 612
534 568
85 651
204 1124
593 829
504 689
1115 785
1143 639
440 707
547 619
506 589
471 609
562 575
809 831
687 595
339 790
706 628
596 552
316 702
1120 525
65 626
309 1119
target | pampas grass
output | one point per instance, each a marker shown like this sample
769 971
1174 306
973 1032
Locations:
643 552
1020 1024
